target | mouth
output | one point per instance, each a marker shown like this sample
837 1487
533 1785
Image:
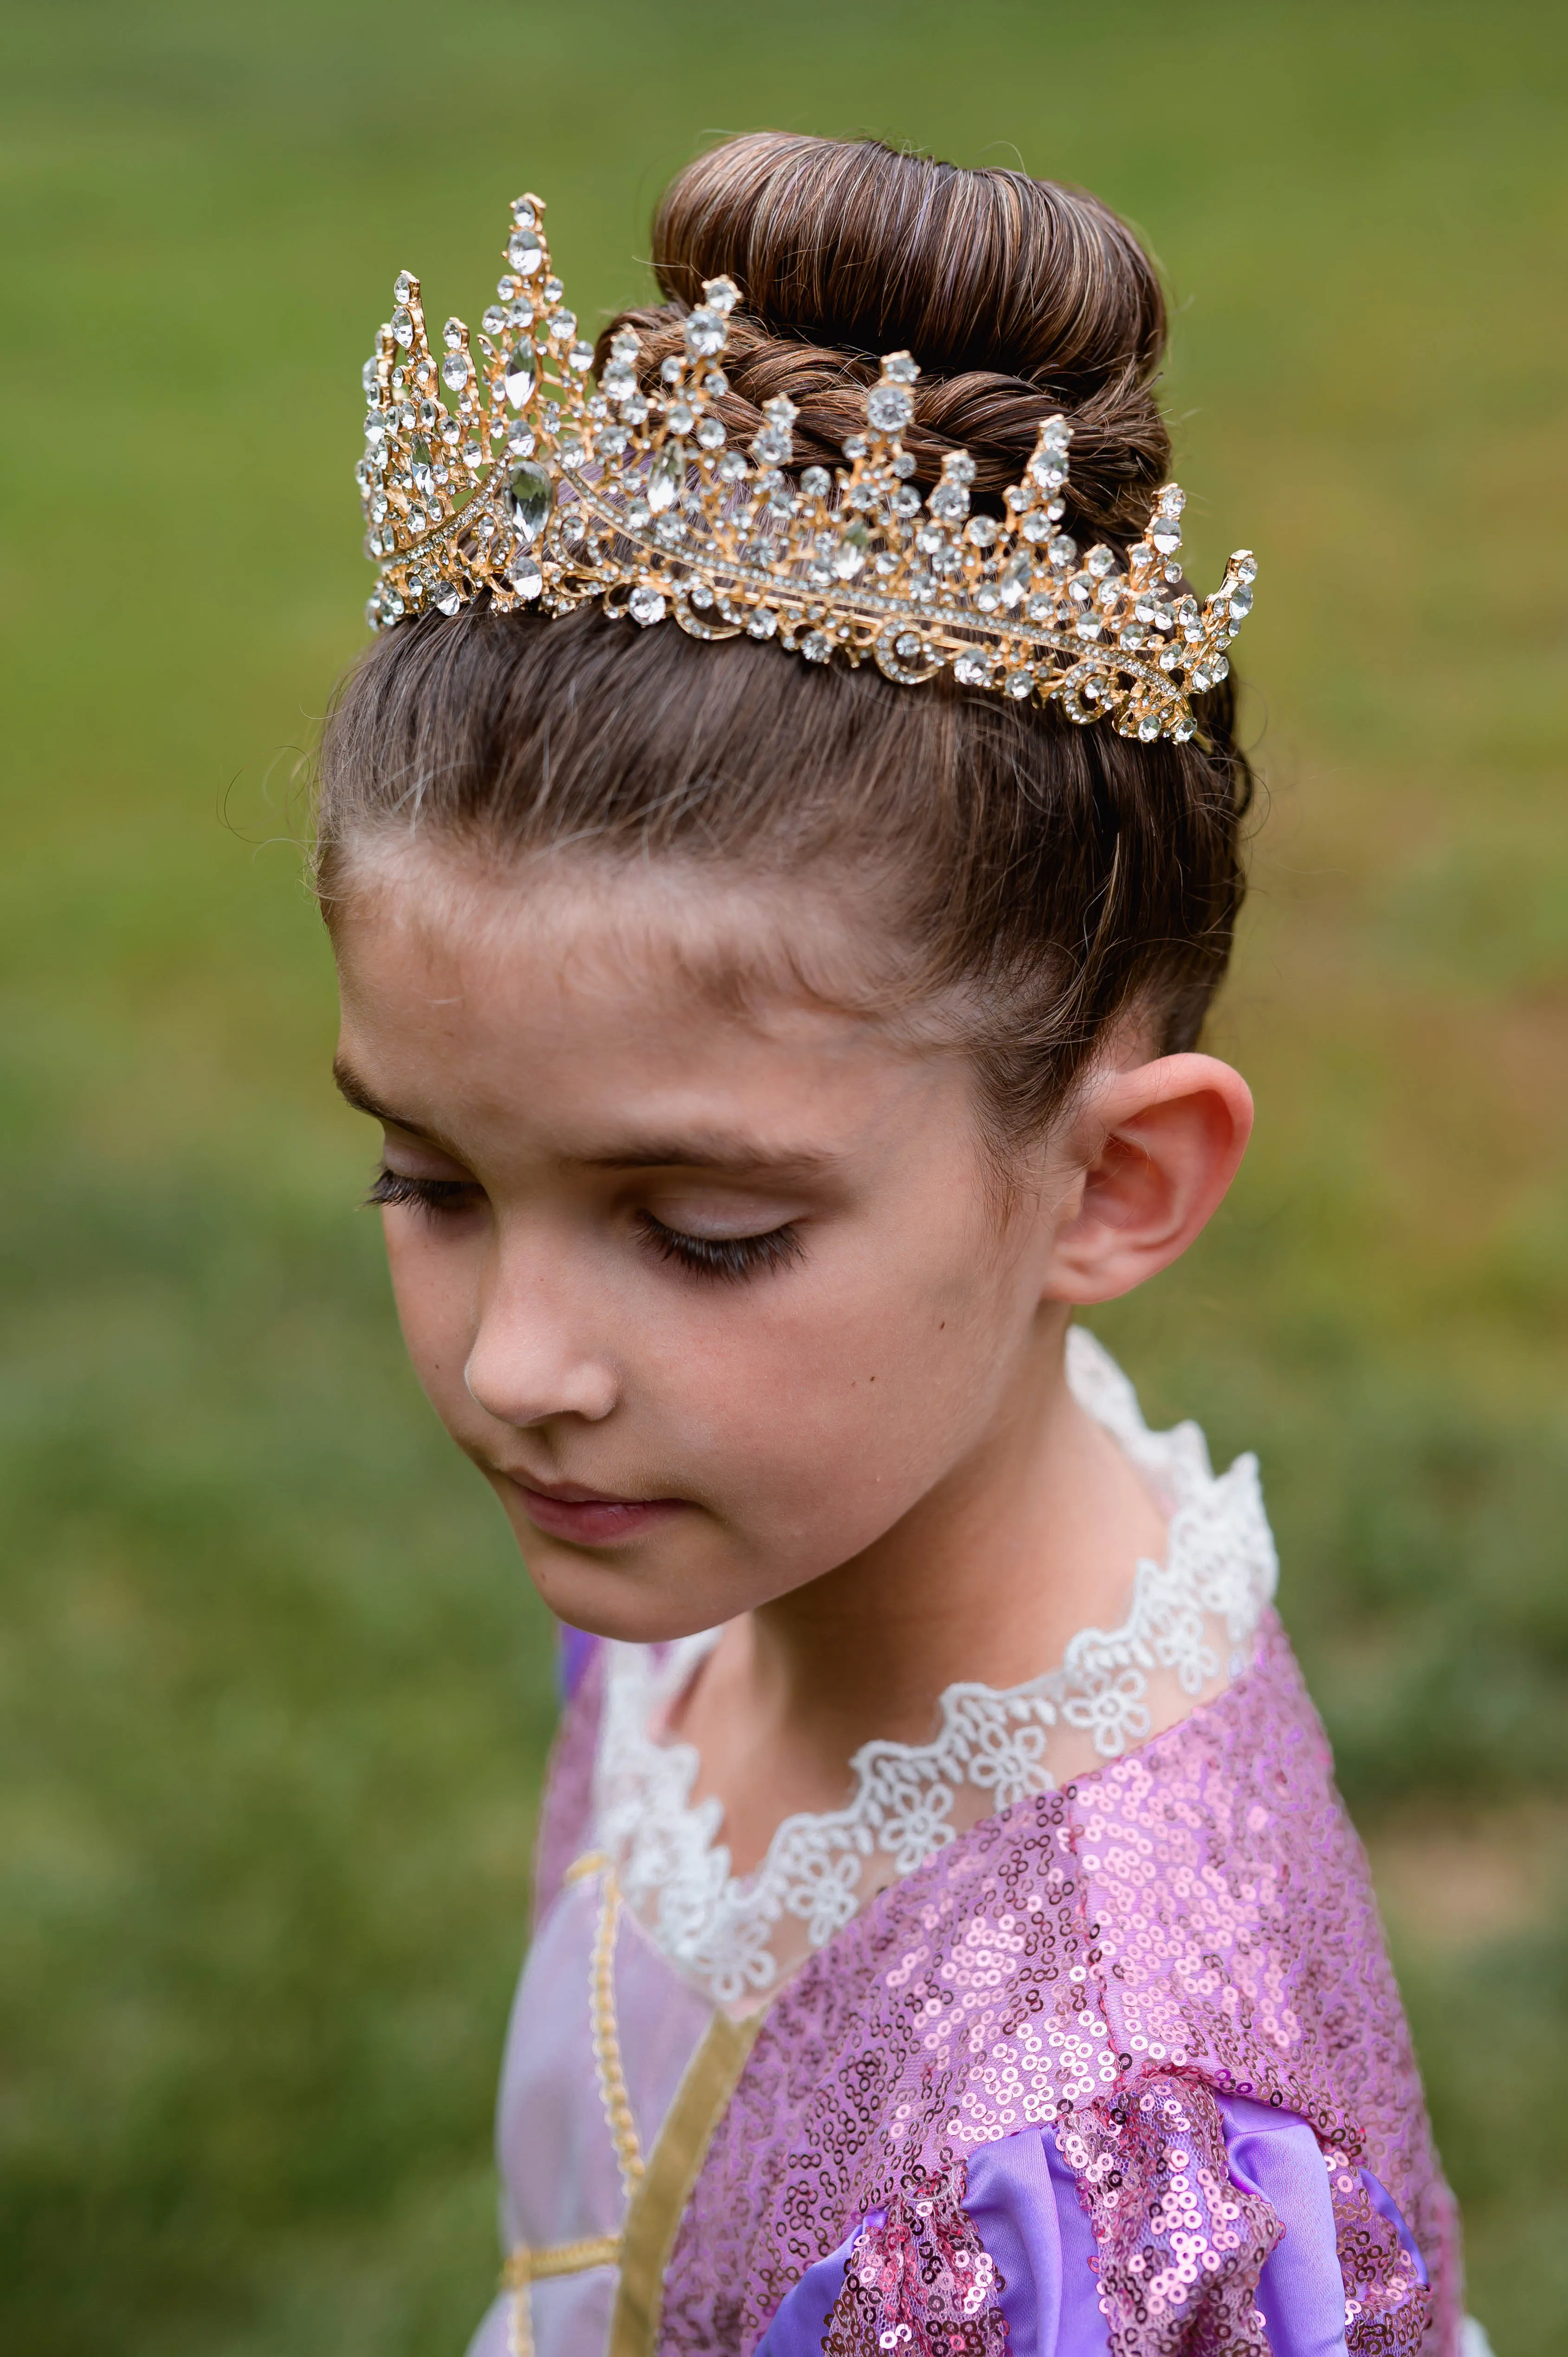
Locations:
565 1509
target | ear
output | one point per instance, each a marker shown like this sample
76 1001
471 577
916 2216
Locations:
1156 1148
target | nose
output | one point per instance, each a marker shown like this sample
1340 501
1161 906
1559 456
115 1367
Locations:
534 1355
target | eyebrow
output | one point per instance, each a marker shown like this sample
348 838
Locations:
705 1149
740 1155
353 1091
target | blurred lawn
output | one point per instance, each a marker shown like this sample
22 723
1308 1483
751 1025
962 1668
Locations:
272 1694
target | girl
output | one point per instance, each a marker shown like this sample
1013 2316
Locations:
779 853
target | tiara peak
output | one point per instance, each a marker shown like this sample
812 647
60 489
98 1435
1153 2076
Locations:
535 485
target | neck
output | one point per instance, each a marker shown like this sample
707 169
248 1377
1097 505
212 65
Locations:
1030 1538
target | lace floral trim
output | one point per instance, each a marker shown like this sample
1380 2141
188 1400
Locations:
717 1928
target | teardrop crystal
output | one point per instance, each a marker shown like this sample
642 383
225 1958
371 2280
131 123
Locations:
849 556
528 497
521 375
1015 582
667 476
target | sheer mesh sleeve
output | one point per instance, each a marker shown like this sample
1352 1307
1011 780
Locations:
566 1808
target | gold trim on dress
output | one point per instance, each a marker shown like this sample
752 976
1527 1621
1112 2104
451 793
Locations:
656 2209
659 2189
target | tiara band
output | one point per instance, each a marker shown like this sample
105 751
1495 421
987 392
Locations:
538 488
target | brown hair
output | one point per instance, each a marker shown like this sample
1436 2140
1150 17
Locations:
1056 879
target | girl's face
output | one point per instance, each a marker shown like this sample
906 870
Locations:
708 1276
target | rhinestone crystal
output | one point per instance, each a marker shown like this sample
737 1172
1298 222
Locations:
646 604
524 251
888 408
523 573
704 333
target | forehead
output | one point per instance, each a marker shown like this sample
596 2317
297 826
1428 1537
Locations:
665 987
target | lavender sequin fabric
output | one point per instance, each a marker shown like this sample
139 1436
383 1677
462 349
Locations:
1193 1920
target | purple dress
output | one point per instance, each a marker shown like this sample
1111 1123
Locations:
1109 2065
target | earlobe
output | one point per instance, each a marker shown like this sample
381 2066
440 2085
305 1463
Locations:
1158 1146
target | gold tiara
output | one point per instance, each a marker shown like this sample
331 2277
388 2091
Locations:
538 487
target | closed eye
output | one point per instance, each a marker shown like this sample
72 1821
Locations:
436 1197
728 1259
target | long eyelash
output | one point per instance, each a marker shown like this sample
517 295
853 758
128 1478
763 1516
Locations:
729 1258
432 1195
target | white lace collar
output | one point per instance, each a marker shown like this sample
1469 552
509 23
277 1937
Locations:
725 1931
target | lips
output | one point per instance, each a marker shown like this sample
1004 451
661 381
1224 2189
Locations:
566 1510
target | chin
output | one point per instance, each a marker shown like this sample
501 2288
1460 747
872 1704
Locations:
622 1598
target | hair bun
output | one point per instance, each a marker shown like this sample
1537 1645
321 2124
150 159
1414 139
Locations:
1017 298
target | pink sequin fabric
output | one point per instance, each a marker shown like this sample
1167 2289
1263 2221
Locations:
1193 1919
919 2280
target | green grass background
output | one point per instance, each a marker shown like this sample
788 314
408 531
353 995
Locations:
272 1693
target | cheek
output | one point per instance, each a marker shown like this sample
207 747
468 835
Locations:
824 1421
433 1284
